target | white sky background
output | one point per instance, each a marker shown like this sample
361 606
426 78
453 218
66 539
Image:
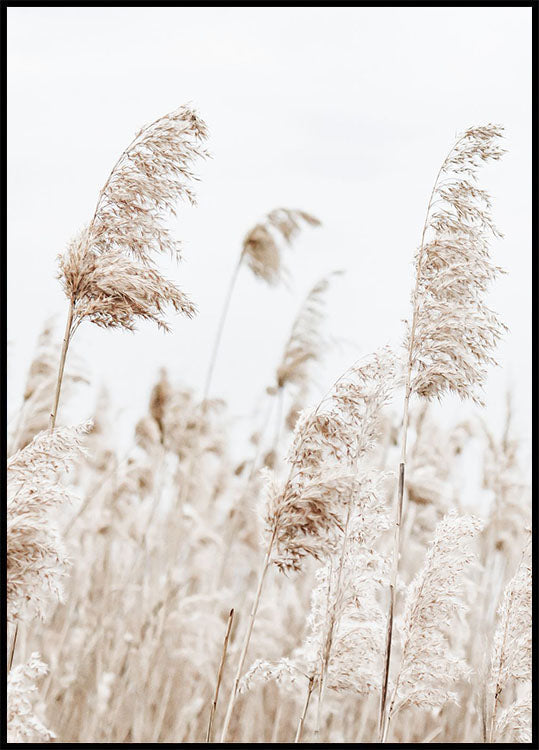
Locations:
344 113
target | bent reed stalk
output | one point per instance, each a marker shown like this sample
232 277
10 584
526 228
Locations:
456 330
107 270
402 463
61 366
220 328
303 716
247 638
219 676
261 253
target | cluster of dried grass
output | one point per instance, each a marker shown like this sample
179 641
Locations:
172 594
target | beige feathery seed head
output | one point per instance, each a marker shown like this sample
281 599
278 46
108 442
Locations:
284 672
305 343
306 513
147 433
113 291
22 723
429 669
260 248
43 363
515 721
295 409
160 401
344 426
107 271
510 511
151 176
186 426
345 622
35 410
36 559
431 461
511 660
453 332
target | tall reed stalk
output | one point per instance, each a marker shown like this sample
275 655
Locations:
219 676
452 332
328 641
276 514
247 637
261 253
220 328
107 271
61 366
301 723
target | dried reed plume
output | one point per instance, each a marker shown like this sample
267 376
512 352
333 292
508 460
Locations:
113 291
179 422
511 659
346 635
107 271
302 517
307 515
261 252
343 650
510 509
181 430
34 414
453 332
305 342
22 723
304 347
434 600
36 560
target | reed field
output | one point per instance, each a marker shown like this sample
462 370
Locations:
330 584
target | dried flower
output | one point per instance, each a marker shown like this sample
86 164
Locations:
150 177
304 516
35 411
512 648
22 723
346 622
515 721
305 343
284 672
428 668
107 270
260 248
453 332
344 648
113 291
510 511
36 560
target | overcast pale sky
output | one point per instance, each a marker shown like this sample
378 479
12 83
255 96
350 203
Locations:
345 113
